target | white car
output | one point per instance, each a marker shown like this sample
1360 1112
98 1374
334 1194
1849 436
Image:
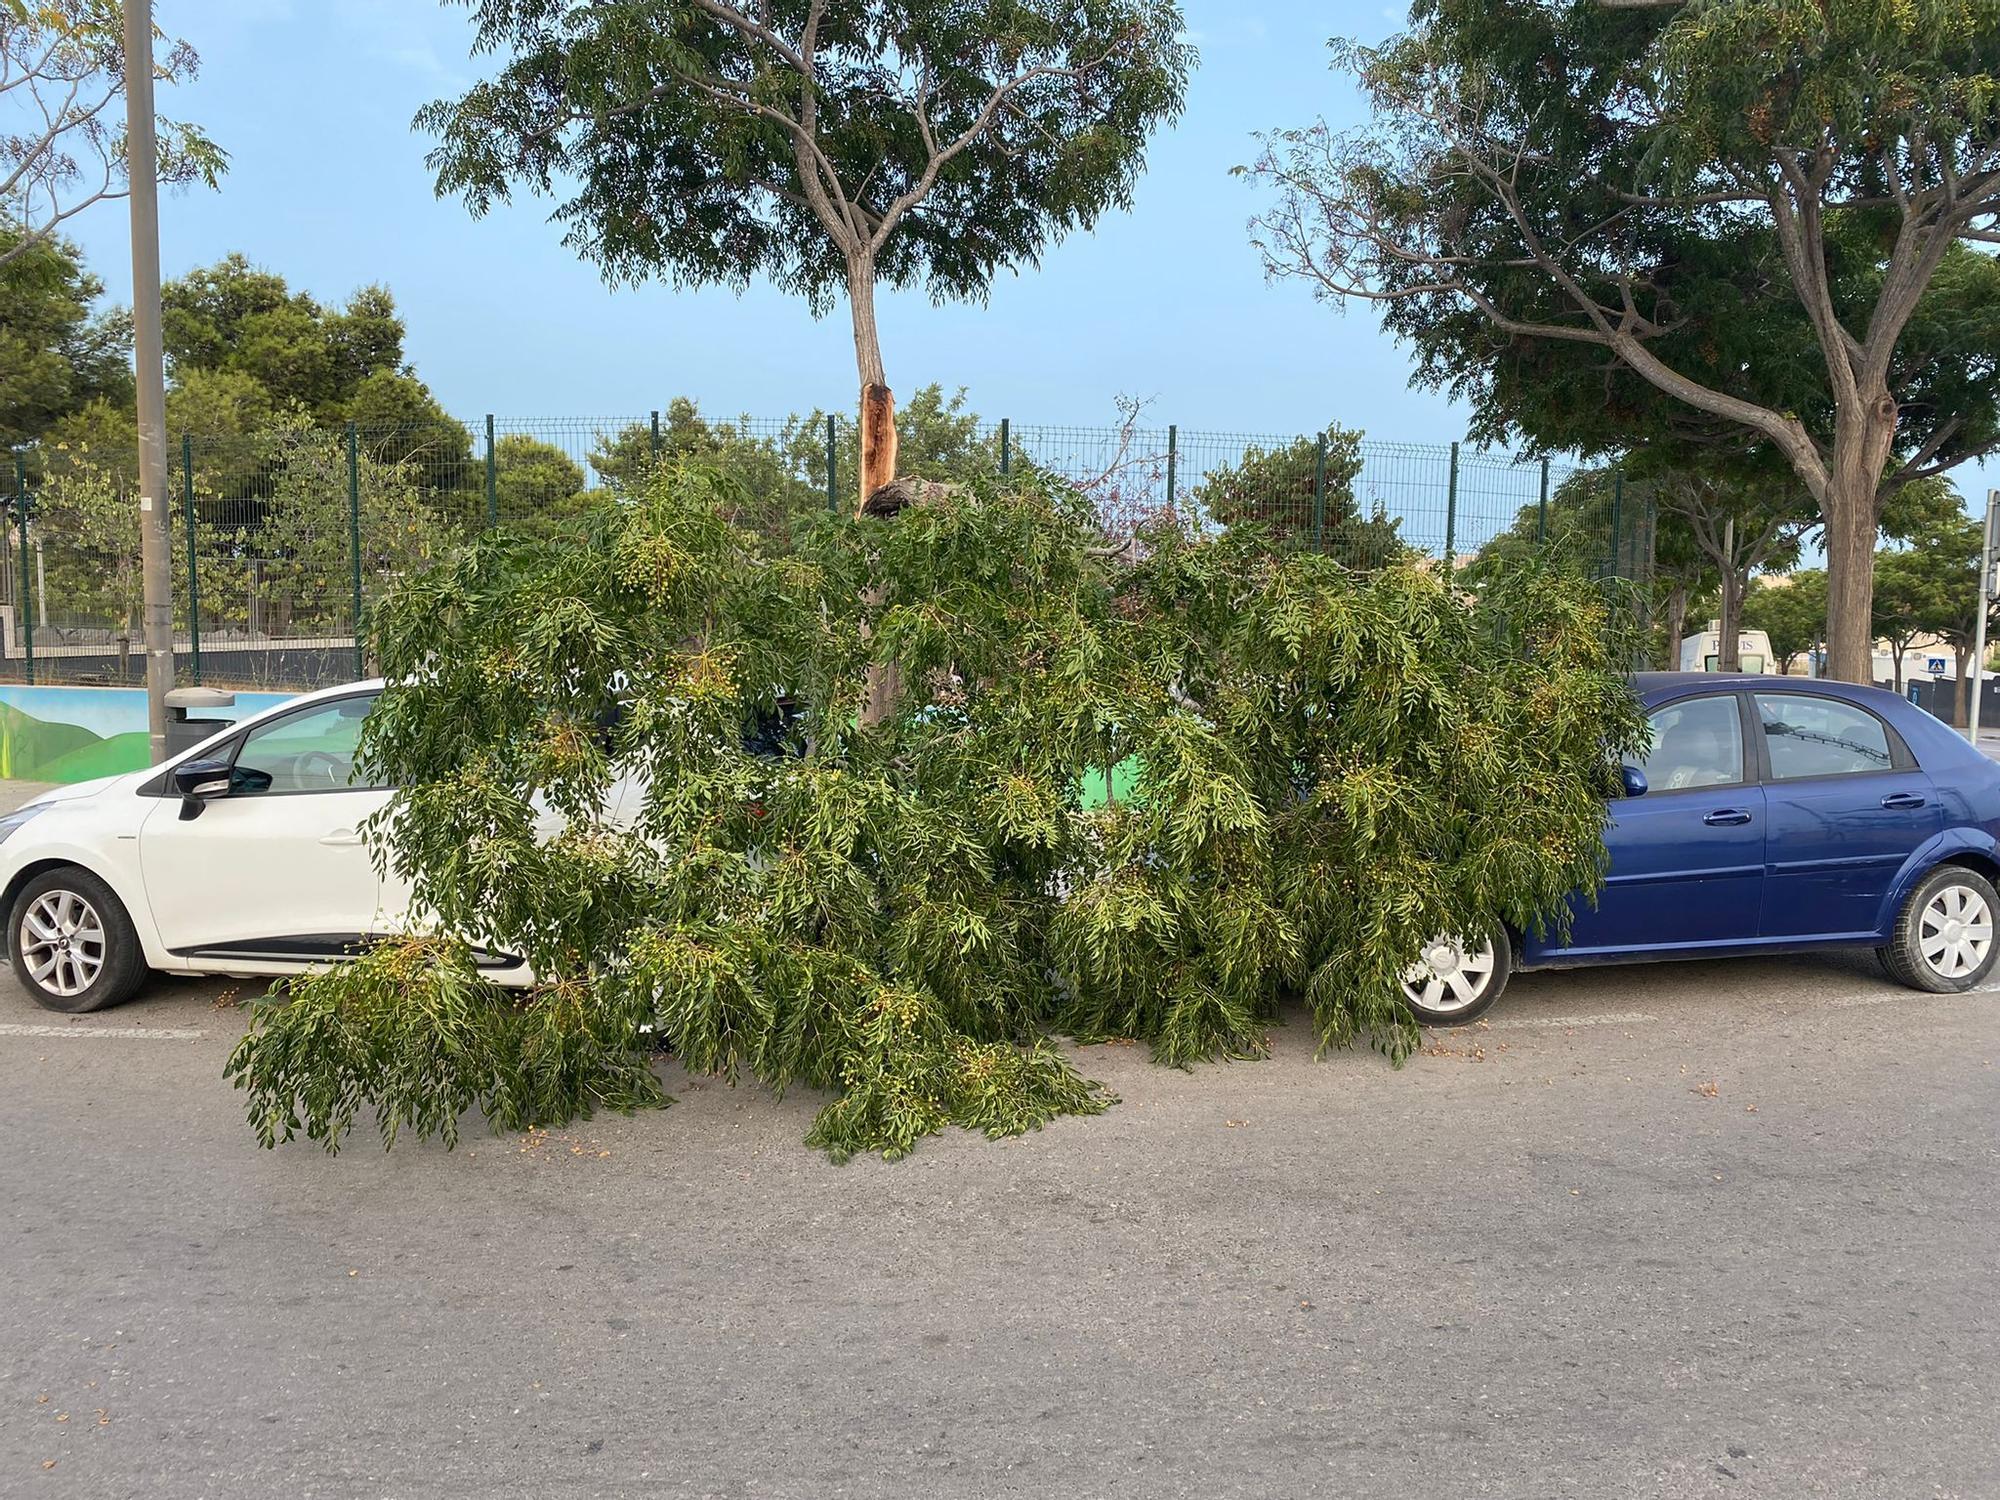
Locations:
243 856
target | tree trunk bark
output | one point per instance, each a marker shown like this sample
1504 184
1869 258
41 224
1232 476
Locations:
878 442
877 446
1961 690
1677 618
1862 440
1729 629
878 405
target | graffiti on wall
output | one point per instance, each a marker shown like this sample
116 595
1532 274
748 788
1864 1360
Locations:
70 734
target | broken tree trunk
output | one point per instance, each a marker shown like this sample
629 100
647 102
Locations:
878 443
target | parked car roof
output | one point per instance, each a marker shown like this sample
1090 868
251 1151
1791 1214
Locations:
1652 685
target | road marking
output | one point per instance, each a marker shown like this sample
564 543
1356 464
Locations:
1906 997
1563 1023
120 1033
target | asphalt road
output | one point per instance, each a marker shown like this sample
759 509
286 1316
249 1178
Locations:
1693 1230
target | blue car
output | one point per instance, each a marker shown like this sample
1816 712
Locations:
1772 815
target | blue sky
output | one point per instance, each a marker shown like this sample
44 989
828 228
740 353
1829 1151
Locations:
313 100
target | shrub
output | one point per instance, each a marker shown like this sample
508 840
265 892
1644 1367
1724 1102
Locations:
1335 767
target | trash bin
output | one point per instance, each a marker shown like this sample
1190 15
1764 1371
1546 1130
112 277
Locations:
184 731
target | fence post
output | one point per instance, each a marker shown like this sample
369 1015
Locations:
1617 523
27 575
1006 448
194 560
1451 514
1319 498
1644 567
354 536
1173 453
832 470
655 454
1542 513
492 478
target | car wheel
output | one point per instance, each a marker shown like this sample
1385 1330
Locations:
1943 939
1456 980
72 944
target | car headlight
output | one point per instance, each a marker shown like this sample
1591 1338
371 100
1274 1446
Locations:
13 820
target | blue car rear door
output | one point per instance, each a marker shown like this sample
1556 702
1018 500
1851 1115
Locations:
1687 857
1848 805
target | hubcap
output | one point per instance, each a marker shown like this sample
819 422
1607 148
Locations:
1955 931
1449 976
62 943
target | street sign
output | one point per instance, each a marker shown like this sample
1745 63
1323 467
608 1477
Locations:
1936 666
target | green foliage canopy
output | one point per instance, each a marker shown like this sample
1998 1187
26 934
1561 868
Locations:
293 549
56 353
710 142
232 322
1791 611
902 913
534 481
1302 498
1747 224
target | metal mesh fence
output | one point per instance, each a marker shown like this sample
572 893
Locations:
282 538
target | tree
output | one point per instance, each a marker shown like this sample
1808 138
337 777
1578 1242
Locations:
234 317
218 404
1739 523
402 423
938 437
1791 611
1596 520
1932 581
782 474
1912 603
829 147
902 911
62 80
1302 500
81 523
1756 211
776 476
233 329
535 483
302 545
57 354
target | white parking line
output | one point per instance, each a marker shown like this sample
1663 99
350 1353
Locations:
1563 1023
119 1033
1907 997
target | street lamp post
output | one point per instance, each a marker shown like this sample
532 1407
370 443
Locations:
155 540
1986 593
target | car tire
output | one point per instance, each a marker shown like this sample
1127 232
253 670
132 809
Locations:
1454 981
1943 940
71 942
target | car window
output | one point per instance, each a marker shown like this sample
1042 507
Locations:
310 750
1821 737
1696 742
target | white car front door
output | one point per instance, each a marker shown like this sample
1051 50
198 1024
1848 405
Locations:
276 872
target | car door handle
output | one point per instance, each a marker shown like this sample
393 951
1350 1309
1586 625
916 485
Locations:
1726 817
341 838
1902 801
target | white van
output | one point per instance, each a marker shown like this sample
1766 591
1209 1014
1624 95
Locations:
1703 653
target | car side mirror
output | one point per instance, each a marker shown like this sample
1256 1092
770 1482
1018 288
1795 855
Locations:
200 782
1634 781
